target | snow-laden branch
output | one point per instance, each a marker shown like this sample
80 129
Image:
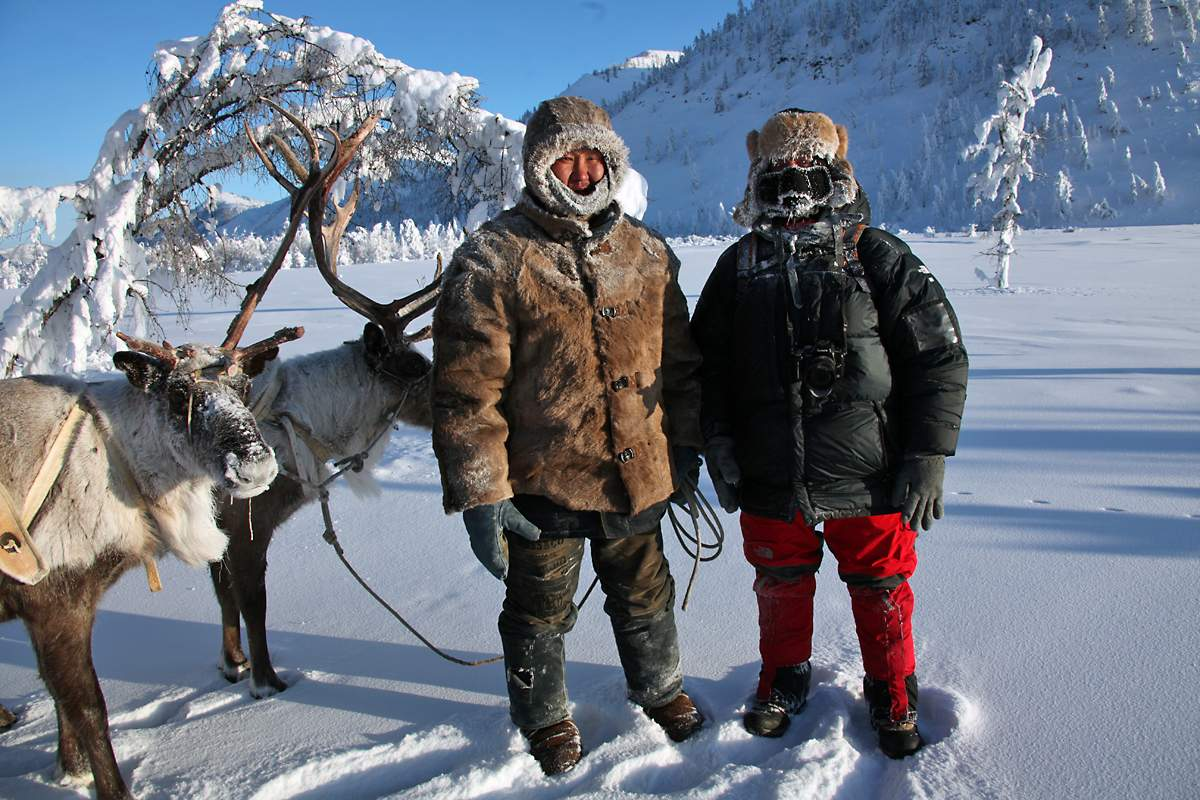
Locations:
34 207
157 155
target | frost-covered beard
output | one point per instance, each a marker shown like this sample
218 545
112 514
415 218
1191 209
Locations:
815 235
556 196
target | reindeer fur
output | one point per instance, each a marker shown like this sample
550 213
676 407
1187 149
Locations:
150 495
343 402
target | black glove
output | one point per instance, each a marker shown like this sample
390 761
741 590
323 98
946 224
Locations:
486 525
918 490
686 460
724 471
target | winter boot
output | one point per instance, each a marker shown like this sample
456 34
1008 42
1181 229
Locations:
679 718
789 692
556 747
897 737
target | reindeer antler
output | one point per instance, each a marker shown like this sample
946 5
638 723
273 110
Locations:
163 352
392 317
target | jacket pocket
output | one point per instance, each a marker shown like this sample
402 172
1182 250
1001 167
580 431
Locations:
845 443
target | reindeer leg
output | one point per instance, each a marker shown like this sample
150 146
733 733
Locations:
63 643
72 762
248 569
233 664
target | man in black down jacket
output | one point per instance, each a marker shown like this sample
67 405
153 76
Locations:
834 379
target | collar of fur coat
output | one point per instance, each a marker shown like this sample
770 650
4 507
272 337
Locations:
567 228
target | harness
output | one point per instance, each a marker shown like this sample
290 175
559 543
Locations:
19 556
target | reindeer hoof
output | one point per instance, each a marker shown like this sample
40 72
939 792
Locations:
235 673
74 780
7 719
269 688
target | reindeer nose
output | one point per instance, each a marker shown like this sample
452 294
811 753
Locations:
249 477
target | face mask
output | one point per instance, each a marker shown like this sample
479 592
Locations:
795 189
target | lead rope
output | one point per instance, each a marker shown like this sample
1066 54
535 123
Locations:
698 508
330 536
355 463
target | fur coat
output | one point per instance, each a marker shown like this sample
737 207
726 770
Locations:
563 364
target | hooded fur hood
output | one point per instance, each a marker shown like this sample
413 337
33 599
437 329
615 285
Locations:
558 126
791 134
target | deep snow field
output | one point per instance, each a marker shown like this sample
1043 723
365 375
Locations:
1056 621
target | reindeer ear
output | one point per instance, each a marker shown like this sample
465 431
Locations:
142 370
258 363
375 341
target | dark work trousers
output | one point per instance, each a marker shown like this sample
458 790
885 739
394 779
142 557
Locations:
539 610
876 557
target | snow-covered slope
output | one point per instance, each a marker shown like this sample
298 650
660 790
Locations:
1055 617
605 85
910 80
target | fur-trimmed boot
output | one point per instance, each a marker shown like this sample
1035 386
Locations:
789 693
898 734
679 718
556 747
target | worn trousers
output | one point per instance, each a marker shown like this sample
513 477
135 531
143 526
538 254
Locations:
539 610
876 556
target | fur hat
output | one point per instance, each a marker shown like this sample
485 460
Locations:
558 126
794 134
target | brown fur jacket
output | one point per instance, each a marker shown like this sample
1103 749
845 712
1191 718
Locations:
562 364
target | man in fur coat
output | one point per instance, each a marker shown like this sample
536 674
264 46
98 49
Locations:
834 380
565 404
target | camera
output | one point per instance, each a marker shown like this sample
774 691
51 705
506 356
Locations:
818 368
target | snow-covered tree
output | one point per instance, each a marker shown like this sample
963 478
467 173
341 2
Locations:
205 91
1064 193
1144 26
1160 184
1007 149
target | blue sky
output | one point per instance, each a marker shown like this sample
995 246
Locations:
68 68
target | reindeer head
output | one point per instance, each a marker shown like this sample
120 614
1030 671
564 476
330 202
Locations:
387 346
202 390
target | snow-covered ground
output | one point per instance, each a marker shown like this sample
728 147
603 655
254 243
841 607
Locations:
1056 604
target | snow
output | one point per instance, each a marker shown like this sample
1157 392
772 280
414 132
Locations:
602 86
910 80
1055 616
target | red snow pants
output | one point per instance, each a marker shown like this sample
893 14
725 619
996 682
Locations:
876 556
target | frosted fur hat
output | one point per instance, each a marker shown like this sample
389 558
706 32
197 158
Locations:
558 126
790 134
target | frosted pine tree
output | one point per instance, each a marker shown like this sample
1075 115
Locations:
1008 151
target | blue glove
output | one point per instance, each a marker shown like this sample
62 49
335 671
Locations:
486 525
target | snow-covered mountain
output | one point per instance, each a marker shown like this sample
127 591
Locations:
911 79
605 85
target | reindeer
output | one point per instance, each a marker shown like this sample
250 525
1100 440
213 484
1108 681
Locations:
324 406
141 460
142 467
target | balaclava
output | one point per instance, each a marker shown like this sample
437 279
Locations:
558 126
775 193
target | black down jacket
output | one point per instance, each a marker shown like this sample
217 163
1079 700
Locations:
900 394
